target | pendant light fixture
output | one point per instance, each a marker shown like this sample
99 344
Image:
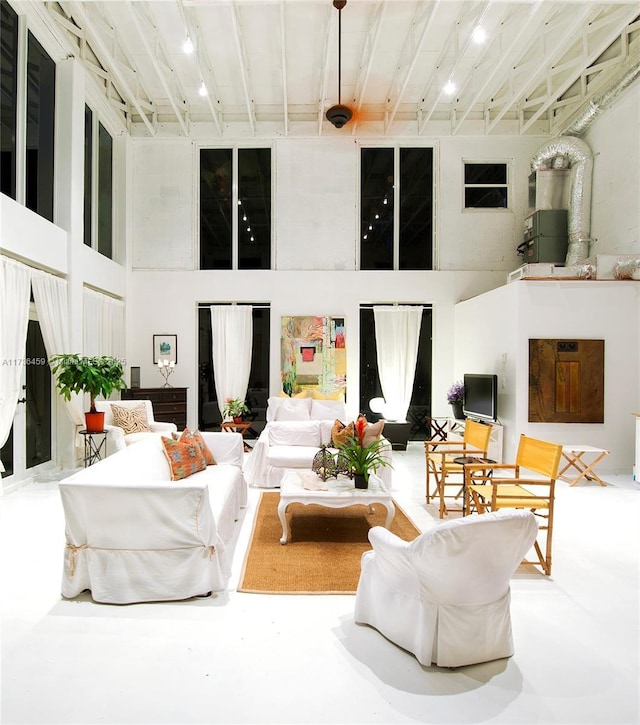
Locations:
339 115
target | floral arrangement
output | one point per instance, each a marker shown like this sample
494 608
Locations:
358 458
455 394
234 408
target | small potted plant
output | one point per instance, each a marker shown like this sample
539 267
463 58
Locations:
455 397
235 408
361 460
93 375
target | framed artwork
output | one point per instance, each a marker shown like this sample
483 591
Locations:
566 381
313 355
165 347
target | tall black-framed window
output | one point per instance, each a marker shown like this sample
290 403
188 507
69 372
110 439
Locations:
88 176
209 417
98 185
8 98
237 179
420 405
396 181
40 129
105 192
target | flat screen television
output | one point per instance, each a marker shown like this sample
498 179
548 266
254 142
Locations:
480 396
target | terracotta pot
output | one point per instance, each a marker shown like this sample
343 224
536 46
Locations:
94 422
237 419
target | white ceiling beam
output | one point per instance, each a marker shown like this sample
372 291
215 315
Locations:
366 58
202 63
411 49
532 78
95 36
519 40
451 42
618 23
244 67
153 44
283 61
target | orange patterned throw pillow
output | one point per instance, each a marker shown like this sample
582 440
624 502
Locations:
184 458
131 420
340 433
196 437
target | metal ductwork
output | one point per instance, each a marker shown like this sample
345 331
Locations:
573 152
569 150
600 102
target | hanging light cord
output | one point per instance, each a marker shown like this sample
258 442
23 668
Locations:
339 53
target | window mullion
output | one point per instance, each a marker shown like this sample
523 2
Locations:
234 217
396 209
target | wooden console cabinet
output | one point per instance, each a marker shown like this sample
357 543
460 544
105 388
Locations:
169 404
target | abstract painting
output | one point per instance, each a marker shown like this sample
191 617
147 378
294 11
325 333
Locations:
313 355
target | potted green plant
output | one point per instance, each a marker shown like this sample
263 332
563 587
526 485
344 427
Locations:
235 408
101 375
361 460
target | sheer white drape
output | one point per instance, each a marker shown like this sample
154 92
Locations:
397 334
103 325
50 297
15 288
231 344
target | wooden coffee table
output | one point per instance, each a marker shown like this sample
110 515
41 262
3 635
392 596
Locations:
339 493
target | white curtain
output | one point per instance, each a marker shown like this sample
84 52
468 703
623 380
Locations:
103 325
231 343
14 319
50 296
397 334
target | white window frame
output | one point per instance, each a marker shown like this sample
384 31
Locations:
508 163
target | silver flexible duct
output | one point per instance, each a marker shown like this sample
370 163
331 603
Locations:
603 100
571 151
627 269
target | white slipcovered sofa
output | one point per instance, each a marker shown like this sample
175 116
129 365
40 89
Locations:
296 429
445 596
117 439
135 535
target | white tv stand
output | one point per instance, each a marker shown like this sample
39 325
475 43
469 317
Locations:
455 431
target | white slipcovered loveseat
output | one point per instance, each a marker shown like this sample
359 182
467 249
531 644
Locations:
296 429
134 535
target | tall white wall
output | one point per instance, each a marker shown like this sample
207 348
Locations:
615 141
315 210
525 309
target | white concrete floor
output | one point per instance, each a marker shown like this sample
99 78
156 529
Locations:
248 658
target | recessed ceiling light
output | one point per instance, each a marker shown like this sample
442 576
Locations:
188 46
449 88
479 34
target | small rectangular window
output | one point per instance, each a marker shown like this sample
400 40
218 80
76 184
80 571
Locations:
254 208
486 185
376 208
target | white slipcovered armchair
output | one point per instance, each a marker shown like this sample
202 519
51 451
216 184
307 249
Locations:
445 596
117 439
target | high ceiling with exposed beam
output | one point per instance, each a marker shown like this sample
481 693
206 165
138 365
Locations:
269 67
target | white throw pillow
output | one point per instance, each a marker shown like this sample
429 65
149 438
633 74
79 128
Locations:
328 410
294 433
275 402
293 410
